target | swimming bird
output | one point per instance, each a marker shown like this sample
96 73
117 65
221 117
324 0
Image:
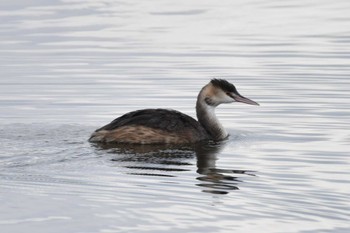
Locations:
166 126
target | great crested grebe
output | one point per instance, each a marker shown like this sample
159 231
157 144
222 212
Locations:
163 126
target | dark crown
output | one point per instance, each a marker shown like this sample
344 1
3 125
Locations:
224 85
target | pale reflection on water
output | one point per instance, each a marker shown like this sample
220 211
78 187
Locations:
154 160
71 66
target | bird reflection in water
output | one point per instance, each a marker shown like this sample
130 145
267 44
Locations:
165 160
216 180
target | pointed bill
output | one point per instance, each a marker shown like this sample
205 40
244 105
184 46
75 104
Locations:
245 100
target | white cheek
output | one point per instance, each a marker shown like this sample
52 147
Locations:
230 99
222 98
227 99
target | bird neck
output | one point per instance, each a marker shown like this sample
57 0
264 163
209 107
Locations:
207 117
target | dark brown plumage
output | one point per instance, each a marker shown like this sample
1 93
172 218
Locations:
163 126
224 85
163 119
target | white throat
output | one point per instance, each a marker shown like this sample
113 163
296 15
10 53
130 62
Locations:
207 117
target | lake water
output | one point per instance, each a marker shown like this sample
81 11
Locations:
71 66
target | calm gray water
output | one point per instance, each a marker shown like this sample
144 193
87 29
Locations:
71 66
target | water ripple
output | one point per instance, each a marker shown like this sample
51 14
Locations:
70 66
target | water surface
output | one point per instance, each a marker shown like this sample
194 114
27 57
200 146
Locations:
71 66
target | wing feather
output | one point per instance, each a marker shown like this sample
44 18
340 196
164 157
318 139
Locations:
164 119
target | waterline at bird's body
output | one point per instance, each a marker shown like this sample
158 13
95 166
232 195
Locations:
163 126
